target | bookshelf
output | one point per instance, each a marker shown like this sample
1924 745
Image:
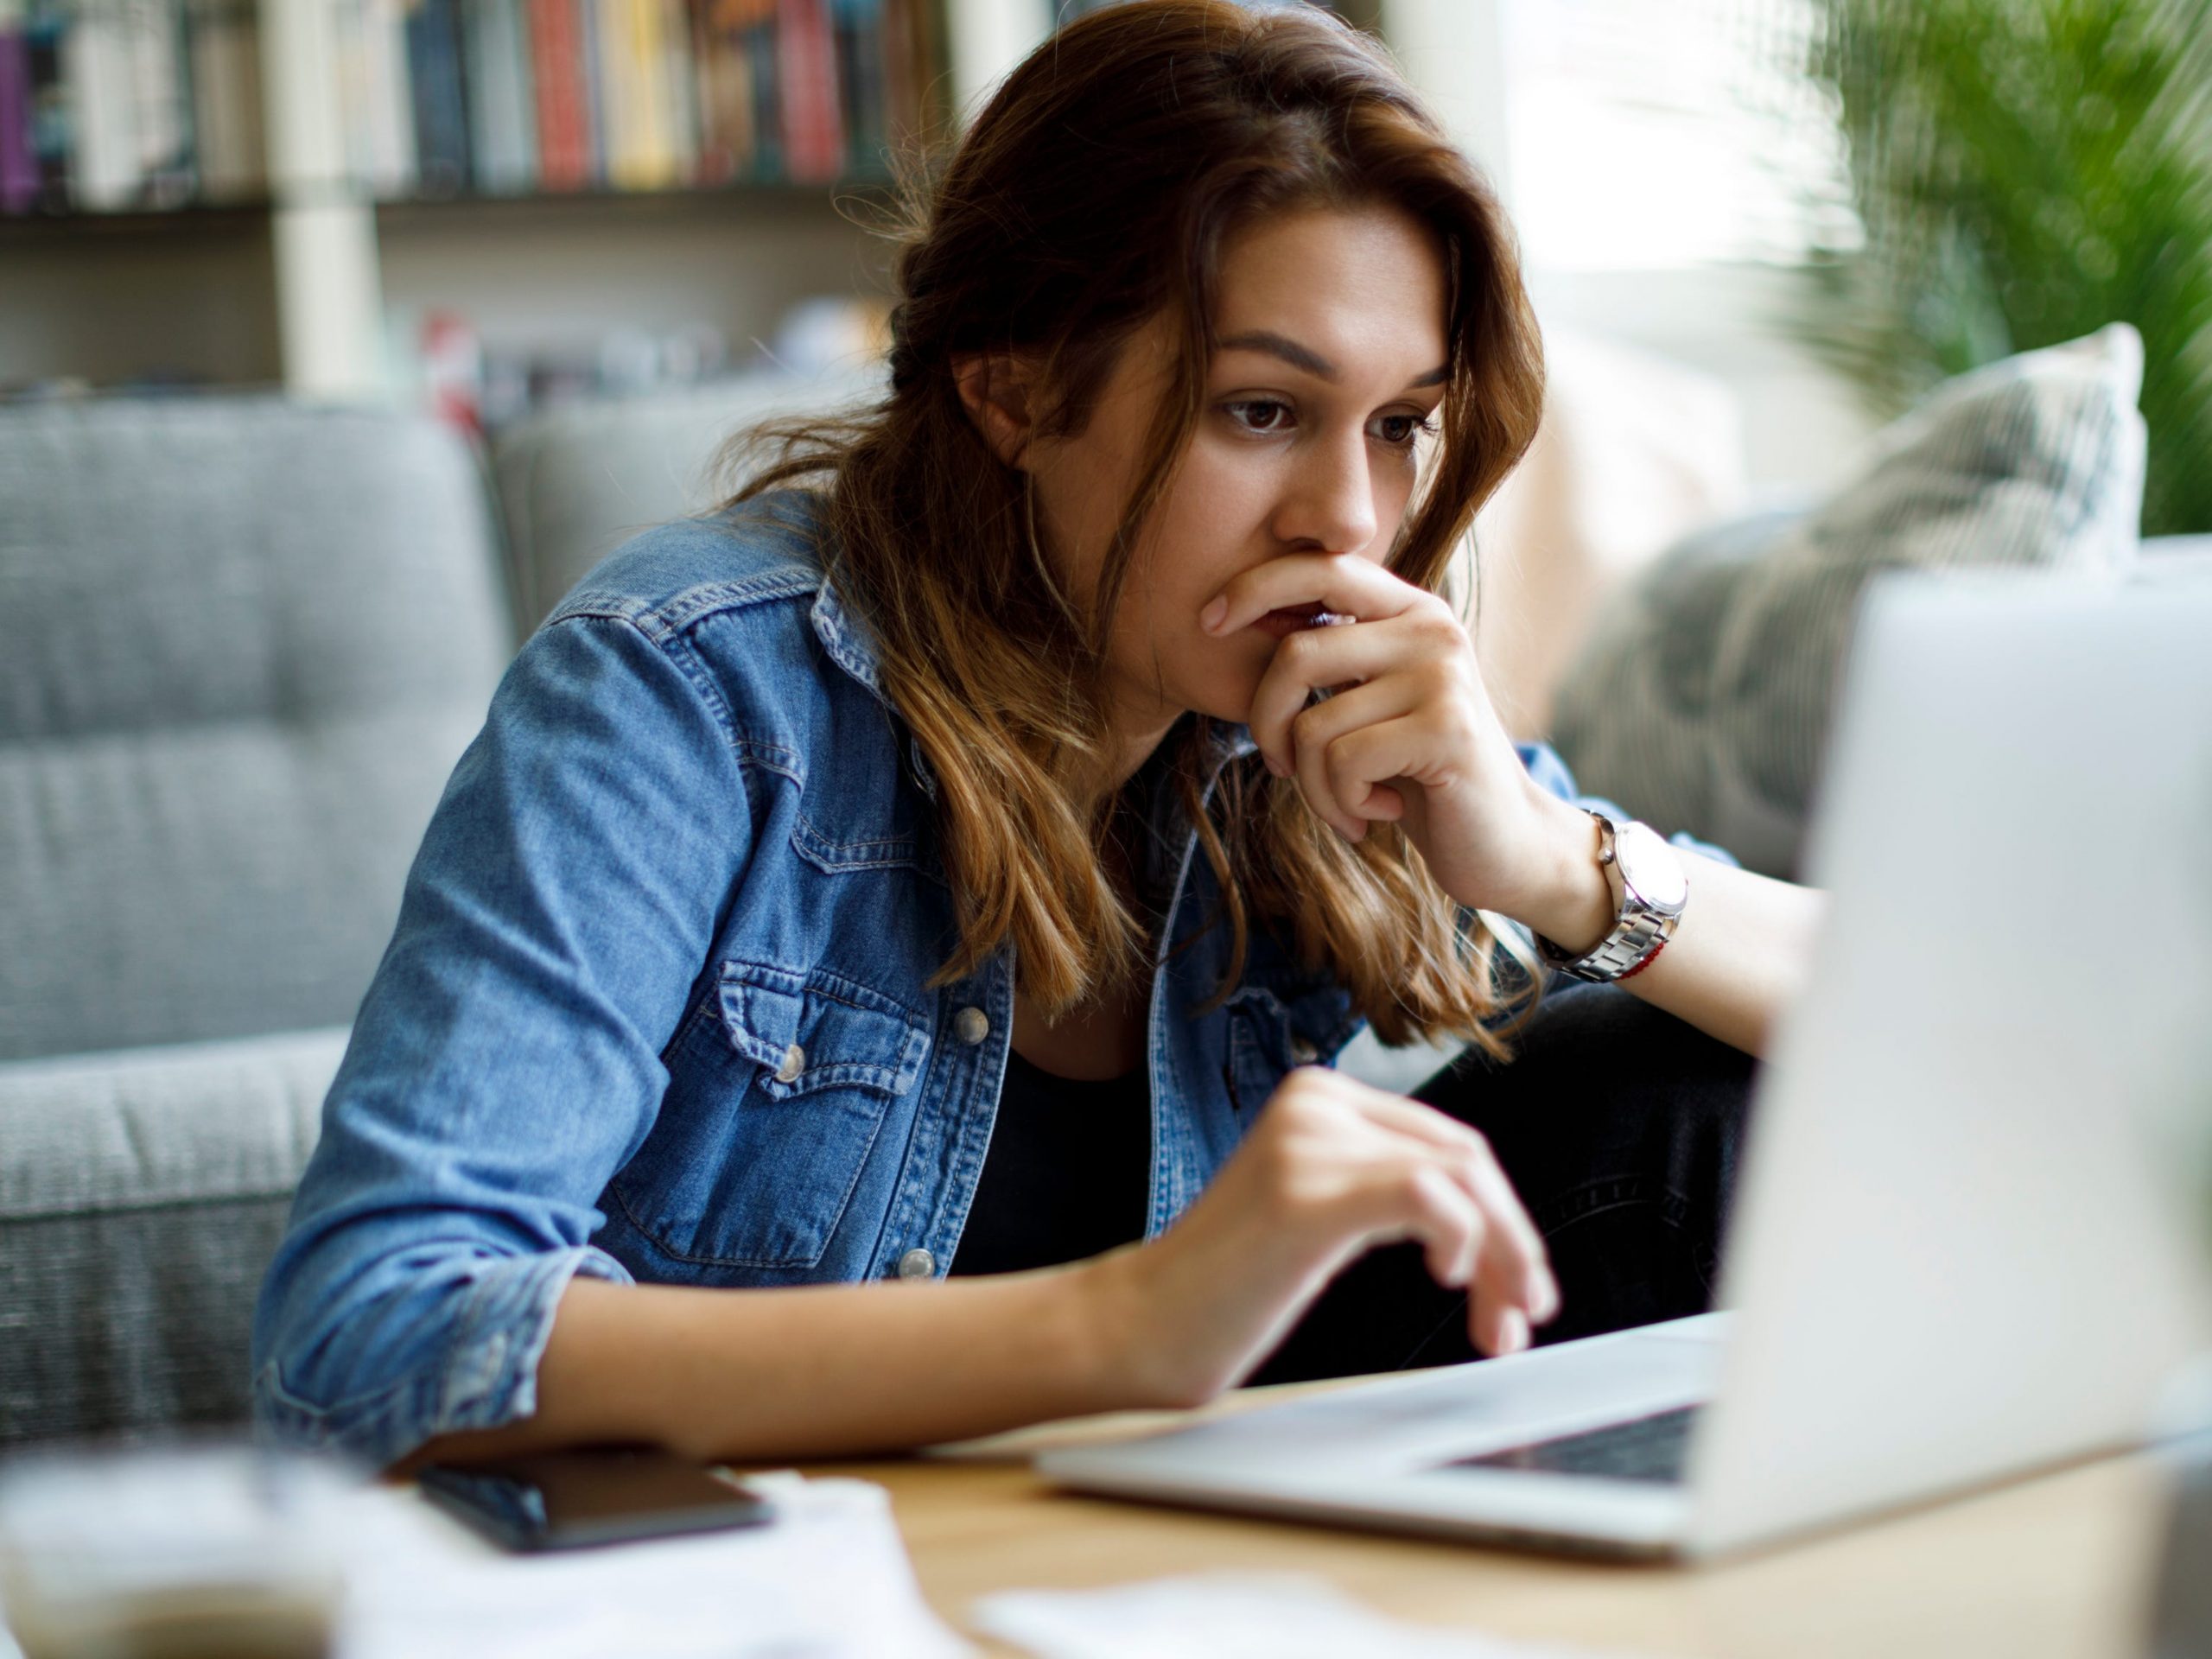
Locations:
269 211
311 236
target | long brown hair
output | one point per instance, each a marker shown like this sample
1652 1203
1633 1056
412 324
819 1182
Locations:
1095 192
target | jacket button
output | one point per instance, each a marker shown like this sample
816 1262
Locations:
794 1062
971 1025
916 1264
1303 1051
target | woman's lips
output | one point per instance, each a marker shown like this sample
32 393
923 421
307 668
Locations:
1294 618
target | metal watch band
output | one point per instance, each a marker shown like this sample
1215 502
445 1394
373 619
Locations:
1629 943
1638 933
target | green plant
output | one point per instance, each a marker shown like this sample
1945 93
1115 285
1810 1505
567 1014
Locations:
2026 171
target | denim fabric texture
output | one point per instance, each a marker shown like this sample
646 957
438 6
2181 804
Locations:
656 1008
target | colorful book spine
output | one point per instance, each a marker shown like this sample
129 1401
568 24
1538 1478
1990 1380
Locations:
441 100
677 90
503 128
621 144
558 78
103 146
389 97
589 30
515 95
18 164
45 31
766 62
858 26
813 120
910 70
159 92
722 33
223 50
654 162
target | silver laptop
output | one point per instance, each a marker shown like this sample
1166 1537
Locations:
1974 1226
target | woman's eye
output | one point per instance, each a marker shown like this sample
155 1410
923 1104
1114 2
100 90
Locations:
1272 415
1401 430
1259 413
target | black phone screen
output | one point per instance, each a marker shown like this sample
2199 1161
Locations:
568 1500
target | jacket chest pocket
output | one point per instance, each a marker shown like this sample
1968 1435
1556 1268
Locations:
1272 1029
776 1092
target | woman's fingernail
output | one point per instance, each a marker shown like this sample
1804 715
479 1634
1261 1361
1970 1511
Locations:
1276 767
1213 613
1512 1330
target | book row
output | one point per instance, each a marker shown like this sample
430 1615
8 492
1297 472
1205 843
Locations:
109 104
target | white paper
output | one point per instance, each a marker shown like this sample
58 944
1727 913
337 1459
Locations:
1225 1616
828 1579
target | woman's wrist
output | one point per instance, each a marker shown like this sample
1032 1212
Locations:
1131 1358
1571 903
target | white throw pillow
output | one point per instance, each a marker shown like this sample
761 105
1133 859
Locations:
1701 698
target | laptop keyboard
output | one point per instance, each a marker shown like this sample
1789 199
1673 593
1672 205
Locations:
1654 1448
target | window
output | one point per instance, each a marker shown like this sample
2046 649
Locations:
1644 136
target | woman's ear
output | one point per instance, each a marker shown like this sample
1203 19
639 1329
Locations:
999 391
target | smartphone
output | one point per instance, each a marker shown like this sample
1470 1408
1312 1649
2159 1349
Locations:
574 1500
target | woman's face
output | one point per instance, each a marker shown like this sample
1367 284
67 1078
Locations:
1330 364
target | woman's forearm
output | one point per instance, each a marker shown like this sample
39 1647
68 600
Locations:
819 1370
1329 1168
1739 957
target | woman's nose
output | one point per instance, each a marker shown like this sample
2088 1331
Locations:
1330 503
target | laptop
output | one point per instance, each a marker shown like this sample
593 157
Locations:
1973 1225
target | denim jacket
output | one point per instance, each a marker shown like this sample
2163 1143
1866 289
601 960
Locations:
656 1006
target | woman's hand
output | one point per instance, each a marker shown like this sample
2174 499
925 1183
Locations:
1331 1168
1411 737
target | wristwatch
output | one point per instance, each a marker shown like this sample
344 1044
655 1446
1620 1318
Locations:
1650 891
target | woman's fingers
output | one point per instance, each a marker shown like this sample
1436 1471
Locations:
1343 749
1331 1168
1451 1228
1316 746
1425 1175
1420 1197
1499 1329
1514 1269
1353 767
1342 655
1469 1156
1317 777
1425 633
1342 582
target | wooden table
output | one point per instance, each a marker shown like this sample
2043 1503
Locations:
2056 1567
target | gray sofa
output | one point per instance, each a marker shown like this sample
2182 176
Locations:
242 644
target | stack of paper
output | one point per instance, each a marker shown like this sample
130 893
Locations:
828 1579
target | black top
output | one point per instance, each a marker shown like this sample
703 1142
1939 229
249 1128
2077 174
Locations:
1068 1174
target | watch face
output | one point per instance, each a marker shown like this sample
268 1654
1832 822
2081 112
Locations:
1651 867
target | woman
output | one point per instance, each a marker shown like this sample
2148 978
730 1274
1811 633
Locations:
859 988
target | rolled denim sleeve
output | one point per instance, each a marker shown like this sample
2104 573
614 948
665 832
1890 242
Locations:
506 1061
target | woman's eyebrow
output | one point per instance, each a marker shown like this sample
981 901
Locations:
1312 363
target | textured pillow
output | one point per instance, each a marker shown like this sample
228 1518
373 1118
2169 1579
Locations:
1700 699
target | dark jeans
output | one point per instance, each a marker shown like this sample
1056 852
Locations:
1620 1126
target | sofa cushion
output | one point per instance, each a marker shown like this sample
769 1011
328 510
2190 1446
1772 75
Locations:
242 643
1701 698
578 481
142 1195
